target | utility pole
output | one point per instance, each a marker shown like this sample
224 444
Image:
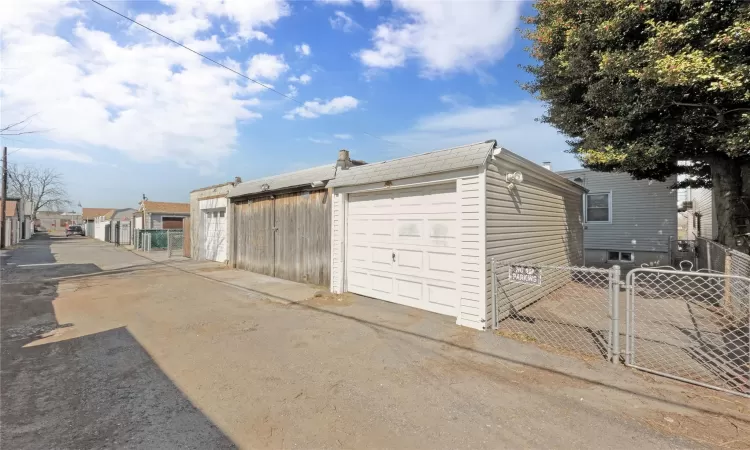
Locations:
5 194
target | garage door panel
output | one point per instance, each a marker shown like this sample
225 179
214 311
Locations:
417 228
440 263
409 289
381 258
441 296
411 259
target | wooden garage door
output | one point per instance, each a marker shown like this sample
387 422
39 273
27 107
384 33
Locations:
402 247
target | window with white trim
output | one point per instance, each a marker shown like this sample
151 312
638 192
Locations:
617 256
599 207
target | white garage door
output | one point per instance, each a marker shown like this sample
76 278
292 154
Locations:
402 247
215 234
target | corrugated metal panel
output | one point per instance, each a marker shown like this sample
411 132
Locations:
472 155
642 211
284 180
538 221
703 204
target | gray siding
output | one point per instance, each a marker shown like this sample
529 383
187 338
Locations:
703 204
642 211
539 221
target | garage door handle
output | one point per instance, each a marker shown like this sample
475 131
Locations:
393 255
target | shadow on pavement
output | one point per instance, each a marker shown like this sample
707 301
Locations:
96 391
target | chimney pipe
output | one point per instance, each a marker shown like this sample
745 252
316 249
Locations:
344 162
547 165
237 180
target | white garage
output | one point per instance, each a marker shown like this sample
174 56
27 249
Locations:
209 223
421 231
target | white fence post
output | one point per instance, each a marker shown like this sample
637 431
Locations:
615 302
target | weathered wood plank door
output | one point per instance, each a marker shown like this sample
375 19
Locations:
288 236
303 240
253 225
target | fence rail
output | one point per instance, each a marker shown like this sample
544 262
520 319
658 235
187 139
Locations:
692 325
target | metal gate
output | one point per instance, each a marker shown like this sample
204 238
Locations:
690 326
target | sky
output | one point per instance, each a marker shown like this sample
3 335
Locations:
122 112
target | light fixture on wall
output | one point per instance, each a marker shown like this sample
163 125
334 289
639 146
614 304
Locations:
513 178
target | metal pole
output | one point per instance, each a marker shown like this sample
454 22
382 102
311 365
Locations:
708 255
5 194
493 266
615 343
169 244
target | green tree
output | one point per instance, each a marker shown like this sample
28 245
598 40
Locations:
641 85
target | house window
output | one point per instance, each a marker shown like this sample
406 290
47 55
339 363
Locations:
620 256
599 208
221 213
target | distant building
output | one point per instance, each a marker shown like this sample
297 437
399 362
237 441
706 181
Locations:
56 220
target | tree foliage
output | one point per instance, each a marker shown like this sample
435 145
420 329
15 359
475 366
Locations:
640 85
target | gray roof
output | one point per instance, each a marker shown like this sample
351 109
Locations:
286 180
471 155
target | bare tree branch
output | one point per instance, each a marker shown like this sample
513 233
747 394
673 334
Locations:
19 128
44 188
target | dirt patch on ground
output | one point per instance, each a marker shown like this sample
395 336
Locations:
213 269
322 298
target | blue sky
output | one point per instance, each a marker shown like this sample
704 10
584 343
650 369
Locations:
123 112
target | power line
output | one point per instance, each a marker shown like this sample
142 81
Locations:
198 53
222 65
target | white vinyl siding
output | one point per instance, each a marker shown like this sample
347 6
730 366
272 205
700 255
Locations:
538 221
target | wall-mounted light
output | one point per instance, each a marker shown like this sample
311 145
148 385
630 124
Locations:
513 178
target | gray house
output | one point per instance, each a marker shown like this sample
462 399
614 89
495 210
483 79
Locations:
627 222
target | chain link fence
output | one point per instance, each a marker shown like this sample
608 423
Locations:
175 241
690 326
568 308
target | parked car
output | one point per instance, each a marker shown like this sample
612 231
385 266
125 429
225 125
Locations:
73 230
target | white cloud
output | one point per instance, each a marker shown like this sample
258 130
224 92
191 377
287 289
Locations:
55 153
512 125
302 79
342 136
293 91
144 97
319 141
266 66
342 21
189 17
443 36
366 3
313 109
302 49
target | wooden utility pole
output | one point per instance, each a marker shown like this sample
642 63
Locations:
5 194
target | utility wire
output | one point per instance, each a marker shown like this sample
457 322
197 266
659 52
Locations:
220 64
199 54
